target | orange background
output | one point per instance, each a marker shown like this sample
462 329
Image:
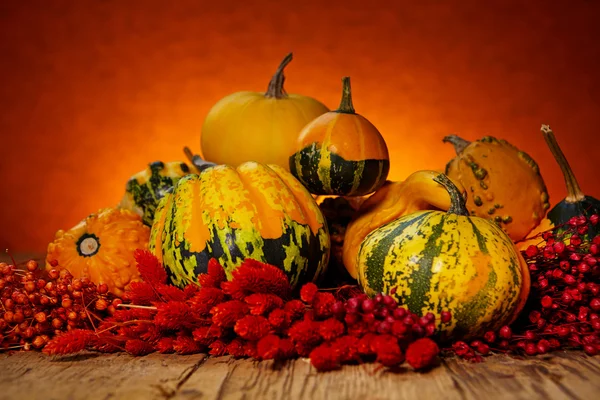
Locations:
94 90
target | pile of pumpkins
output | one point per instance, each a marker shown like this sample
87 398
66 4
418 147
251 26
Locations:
437 241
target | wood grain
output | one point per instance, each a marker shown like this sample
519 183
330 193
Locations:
562 375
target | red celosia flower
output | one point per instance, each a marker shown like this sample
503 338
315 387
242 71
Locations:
390 355
151 334
252 327
141 293
228 313
421 353
323 358
250 349
267 347
190 290
294 310
73 341
331 328
205 299
215 275
174 315
256 277
207 334
286 349
170 293
187 345
105 343
137 347
149 267
305 332
277 318
345 348
262 303
131 314
365 344
165 345
323 304
358 330
236 348
218 348
308 291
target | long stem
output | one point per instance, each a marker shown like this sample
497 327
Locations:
459 143
574 193
346 106
275 88
458 203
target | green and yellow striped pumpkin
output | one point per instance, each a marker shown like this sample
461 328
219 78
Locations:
252 211
434 261
341 153
146 188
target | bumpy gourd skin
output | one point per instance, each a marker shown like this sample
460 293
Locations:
503 183
394 199
435 261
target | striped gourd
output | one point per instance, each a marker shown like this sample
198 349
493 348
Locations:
341 153
145 189
434 261
252 211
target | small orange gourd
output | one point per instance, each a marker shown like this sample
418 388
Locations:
101 248
504 184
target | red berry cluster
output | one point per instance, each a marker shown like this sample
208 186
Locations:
34 306
255 315
563 309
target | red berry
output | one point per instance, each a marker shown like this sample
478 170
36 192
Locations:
559 247
595 304
531 349
490 336
590 350
483 349
368 305
546 301
575 240
531 251
505 332
593 219
543 346
569 280
399 313
445 316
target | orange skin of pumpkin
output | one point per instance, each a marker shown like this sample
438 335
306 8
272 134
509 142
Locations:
512 192
393 200
351 136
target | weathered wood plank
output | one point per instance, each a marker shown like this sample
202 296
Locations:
562 375
31 375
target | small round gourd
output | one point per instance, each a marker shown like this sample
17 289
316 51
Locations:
434 261
341 153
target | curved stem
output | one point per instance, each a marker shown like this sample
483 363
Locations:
275 88
574 193
346 103
196 160
458 203
459 143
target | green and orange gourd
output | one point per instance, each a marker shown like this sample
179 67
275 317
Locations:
232 213
434 261
341 152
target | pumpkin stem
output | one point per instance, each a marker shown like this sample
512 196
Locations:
458 203
459 143
196 160
574 193
275 88
346 106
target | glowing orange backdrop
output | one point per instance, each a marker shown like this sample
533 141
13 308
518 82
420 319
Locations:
93 90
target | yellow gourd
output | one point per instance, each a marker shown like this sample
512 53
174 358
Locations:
394 199
253 126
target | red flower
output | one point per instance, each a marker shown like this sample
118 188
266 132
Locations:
173 315
218 348
250 349
365 344
73 341
267 347
421 353
137 347
141 293
190 290
331 328
187 345
205 335
294 310
287 349
149 267
323 358
390 354
170 293
228 313
205 299
345 348
215 275
262 303
308 291
252 327
236 348
323 304
131 314
165 345
277 318
256 277
305 332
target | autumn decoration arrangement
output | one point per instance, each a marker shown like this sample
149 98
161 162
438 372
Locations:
297 245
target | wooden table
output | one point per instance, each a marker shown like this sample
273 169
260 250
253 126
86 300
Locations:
31 375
